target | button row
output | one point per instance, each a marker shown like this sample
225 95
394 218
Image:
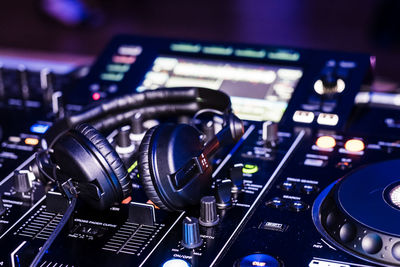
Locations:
295 187
292 205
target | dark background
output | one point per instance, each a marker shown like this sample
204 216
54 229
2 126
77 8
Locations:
371 26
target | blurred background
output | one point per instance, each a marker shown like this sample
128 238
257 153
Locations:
83 27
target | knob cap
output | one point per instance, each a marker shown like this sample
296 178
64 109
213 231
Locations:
208 130
223 194
329 84
236 175
57 104
270 133
137 124
22 181
2 85
208 211
124 143
47 85
190 233
23 80
2 208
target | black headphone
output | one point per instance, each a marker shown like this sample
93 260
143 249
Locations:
173 163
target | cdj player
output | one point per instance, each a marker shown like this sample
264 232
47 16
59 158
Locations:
187 153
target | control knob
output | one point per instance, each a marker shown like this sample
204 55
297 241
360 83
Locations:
208 211
190 233
23 79
329 84
124 143
270 133
223 194
236 176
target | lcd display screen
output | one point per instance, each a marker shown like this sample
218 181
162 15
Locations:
258 92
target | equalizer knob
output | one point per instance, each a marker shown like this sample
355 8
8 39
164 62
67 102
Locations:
2 85
137 124
47 85
270 133
223 194
208 211
329 84
236 176
22 181
23 80
190 233
2 207
124 143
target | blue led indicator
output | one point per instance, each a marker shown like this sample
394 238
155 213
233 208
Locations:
39 128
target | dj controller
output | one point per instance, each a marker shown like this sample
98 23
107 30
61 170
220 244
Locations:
309 175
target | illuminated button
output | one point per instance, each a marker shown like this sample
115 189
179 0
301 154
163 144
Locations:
14 139
258 259
31 141
299 206
354 145
250 169
176 263
328 119
326 142
130 50
124 59
343 165
308 189
287 186
276 202
39 128
303 116
96 96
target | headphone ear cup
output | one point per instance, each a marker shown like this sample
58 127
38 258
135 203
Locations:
164 150
86 156
144 170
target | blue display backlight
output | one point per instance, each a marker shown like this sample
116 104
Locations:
39 128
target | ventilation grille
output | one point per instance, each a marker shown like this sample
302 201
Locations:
40 225
132 238
53 264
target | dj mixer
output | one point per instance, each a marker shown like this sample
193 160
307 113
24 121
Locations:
191 153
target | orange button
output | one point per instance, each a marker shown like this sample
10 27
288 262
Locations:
31 141
127 200
326 142
354 145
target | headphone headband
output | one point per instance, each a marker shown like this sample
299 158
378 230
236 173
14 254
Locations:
152 103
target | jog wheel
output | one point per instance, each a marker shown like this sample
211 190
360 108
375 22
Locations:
360 213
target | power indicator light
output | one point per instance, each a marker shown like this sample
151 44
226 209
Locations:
96 96
326 142
31 141
354 145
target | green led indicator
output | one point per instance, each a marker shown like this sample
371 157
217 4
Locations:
115 77
118 67
218 50
284 55
132 167
250 169
183 47
250 53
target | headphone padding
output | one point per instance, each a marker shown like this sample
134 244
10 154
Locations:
144 170
110 155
